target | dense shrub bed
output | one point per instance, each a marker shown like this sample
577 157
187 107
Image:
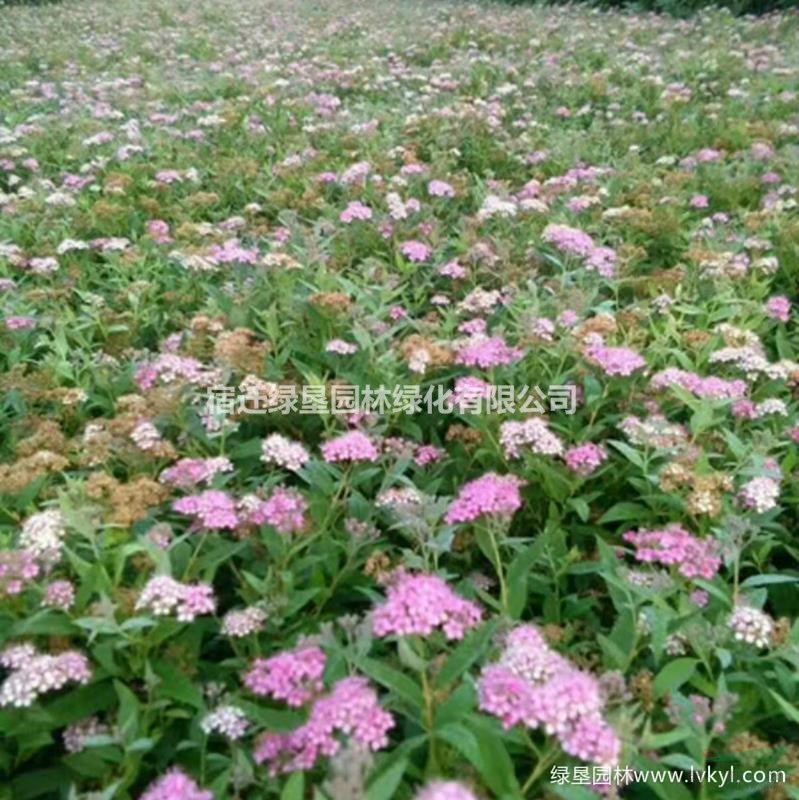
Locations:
549 545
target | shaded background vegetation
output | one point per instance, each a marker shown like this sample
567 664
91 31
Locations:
684 8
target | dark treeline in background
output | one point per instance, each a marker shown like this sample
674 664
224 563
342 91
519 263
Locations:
682 8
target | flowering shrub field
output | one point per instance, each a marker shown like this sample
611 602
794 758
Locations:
546 262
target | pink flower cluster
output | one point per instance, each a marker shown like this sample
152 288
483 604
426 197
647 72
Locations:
211 509
284 510
532 433
694 557
17 568
355 211
575 242
415 251
59 594
491 494
486 352
469 393
612 360
779 308
33 674
438 188
421 604
169 368
585 458
711 387
293 676
19 323
341 347
231 252
568 240
534 686
158 231
445 790
164 596
175 785
350 709
189 472
350 446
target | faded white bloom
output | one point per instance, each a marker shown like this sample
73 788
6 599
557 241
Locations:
752 626
43 533
277 449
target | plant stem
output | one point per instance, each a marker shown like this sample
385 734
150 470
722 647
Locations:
432 760
503 587
540 768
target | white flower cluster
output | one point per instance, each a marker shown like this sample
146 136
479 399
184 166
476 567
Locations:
399 496
145 435
229 721
772 405
751 360
43 533
76 735
419 360
533 433
277 449
244 622
480 301
751 625
33 674
760 494
398 208
165 596
494 206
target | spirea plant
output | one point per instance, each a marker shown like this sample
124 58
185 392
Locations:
399 400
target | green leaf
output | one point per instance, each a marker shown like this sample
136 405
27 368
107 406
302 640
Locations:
714 590
294 788
518 571
767 580
612 651
176 685
248 449
496 766
459 703
300 599
80 703
624 633
394 680
624 511
569 792
465 654
630 453
128 715
790 710
581 507
654 741
39 783
666 790
674 675
409 657
384 786
702 419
